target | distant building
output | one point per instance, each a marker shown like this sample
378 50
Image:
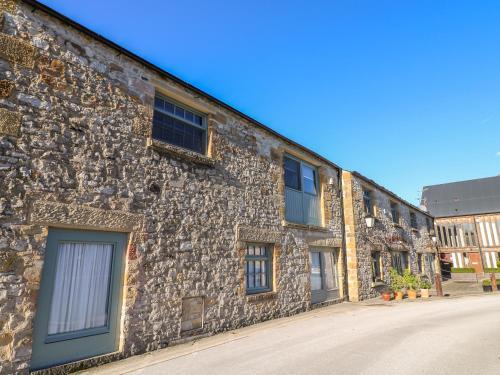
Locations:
467 217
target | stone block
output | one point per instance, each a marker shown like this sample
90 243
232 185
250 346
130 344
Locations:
6 88
17 51
9 6
10 122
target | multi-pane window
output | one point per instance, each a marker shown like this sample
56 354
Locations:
413 220
399 261
368 201
258 268
395 212
376 266
301 192
179 125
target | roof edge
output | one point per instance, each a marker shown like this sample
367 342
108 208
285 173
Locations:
164 73
459 182
387 191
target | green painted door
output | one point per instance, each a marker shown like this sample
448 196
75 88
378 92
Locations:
324 275
79 300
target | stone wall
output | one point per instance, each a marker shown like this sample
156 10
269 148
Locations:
75 120
385 236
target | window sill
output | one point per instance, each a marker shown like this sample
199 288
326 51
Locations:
261 296
288 224
180 152
376 284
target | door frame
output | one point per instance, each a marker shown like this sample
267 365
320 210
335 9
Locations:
324 295
58 349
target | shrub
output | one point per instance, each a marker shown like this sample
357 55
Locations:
463 270
487 282
411 281
498 263
397 282
492 270
424 284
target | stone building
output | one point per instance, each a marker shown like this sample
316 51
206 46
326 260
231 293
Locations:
467 225
383 231
137 211
194 217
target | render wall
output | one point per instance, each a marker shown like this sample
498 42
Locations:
75 117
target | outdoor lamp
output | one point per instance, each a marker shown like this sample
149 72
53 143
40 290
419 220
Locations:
370 221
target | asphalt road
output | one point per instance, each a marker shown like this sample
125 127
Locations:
445 336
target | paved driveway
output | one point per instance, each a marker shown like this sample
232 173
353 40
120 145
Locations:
445 336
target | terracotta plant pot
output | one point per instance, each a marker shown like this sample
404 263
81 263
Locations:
424 293
398 296
412 294
386 296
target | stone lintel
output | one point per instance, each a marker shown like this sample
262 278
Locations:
82 217
252 234
327 242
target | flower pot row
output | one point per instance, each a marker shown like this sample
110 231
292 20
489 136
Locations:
399 295
407 282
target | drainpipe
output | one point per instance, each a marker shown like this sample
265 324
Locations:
344 246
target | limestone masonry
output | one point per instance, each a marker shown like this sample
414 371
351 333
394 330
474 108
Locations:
77 151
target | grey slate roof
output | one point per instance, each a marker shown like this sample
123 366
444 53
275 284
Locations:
463 198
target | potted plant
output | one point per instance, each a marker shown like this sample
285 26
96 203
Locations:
411 283
397 284
386 295
487 286
425 285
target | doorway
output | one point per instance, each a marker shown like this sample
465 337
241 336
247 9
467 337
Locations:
79 299
324 275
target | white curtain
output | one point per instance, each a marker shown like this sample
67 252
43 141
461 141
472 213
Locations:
80 296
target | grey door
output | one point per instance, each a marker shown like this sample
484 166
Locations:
324 275
79 300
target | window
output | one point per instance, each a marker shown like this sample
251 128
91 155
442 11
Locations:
258 269
413 220
179 125
469 234
301 192
395 212
428 223
399 261
376 267
419 261
368 201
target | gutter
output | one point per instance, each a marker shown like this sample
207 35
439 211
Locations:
51 12
385 190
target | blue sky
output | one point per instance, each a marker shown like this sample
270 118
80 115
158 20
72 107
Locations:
405 92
